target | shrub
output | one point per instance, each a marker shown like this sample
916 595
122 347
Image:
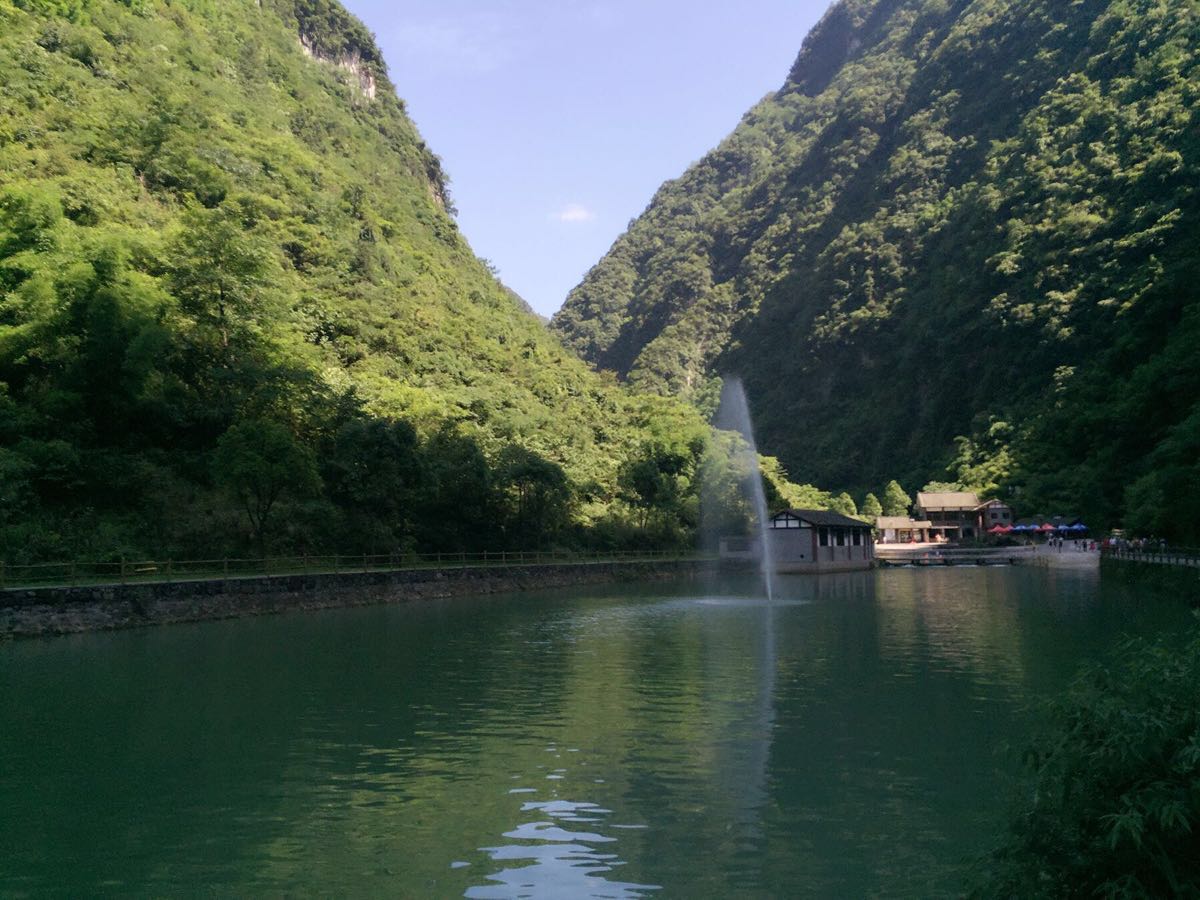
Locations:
1116 810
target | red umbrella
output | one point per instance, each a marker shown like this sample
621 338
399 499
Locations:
1046 526
1000 529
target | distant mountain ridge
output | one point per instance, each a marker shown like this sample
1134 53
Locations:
961 237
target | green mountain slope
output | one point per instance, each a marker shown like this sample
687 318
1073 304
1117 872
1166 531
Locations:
231 291
962 234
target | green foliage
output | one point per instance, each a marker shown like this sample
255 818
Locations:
374 474
537 497
260 461
985 464
660 484
214 215
727 470
960 233
655 478
895 501
871 508
942 486
844 504
458 508
1116 810
724 475
220 272
782 493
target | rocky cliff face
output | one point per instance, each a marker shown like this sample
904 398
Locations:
360 72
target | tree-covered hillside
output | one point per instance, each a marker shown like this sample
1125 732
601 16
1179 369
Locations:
237 315
960 240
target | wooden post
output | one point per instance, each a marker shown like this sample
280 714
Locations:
122 570
225 567
72 574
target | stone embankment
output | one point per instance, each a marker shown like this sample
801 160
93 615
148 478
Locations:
63 610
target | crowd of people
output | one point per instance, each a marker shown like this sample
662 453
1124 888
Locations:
1061 543
1136 545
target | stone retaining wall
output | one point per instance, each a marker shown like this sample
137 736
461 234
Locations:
63 610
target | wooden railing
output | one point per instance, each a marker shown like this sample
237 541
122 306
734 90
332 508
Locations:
128 571
1169 556
901 553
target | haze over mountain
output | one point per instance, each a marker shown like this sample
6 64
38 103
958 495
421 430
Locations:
959 243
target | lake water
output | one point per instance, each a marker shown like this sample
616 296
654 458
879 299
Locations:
860 736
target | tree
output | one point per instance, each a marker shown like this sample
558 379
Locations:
371 470
1116 810
458 506
219 270
721 481
985 463
652 481
895 501
844 504
16 486
783 493
661 481
260 461
937 487
538 495
871 509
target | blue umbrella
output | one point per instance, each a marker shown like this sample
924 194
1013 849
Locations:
1078 526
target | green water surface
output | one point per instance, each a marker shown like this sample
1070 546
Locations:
668 740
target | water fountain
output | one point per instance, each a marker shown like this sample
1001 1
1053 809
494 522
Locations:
733 414
749 753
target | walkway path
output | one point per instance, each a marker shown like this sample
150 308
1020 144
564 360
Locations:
1067 558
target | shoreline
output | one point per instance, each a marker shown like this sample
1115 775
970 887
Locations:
52 611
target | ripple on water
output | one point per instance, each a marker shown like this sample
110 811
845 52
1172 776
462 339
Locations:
559 862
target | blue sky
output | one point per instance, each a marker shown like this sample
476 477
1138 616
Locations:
558 119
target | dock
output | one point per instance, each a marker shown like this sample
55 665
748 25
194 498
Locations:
925 555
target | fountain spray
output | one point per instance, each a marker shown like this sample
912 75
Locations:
734 415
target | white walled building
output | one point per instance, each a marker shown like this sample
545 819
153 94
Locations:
809 540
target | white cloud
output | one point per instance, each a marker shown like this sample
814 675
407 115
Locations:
573 213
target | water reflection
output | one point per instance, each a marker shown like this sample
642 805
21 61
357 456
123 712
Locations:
559 862
965 622
843 741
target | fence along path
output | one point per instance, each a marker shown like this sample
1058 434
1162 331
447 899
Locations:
1172 556
149 571
902 553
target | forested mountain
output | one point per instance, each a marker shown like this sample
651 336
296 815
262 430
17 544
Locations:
236 313
959 242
